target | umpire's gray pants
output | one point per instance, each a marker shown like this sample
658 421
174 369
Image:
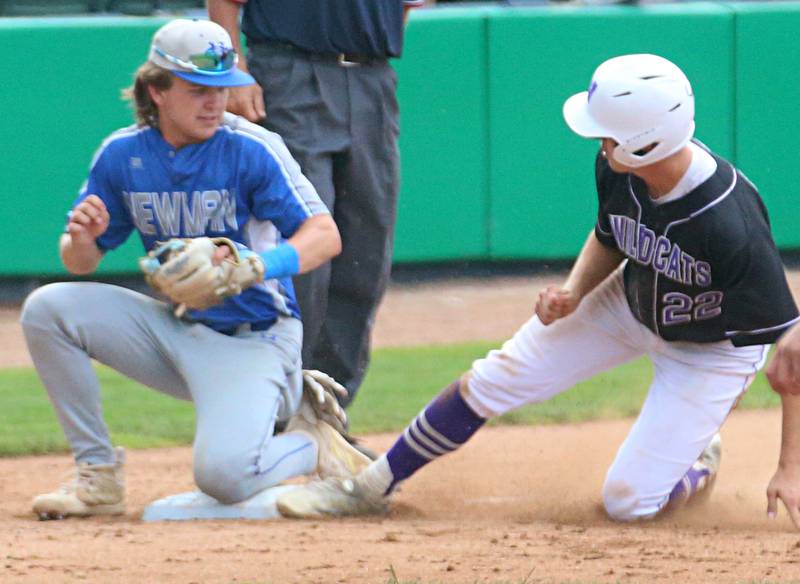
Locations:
239 384
341 124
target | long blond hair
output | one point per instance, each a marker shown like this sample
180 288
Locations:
145 109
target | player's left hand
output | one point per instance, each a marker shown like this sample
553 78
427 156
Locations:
783 370
785 485
555 302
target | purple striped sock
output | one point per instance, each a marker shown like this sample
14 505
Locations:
694 480
446 423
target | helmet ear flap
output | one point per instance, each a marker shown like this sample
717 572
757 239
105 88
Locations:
654 144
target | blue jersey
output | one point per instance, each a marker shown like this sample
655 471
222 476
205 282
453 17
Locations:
241 184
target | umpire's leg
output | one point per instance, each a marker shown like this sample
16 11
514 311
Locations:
306 104
366 181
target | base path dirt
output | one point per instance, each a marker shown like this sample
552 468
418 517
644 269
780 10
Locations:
516 504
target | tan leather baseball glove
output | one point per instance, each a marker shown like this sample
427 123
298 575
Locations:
191 273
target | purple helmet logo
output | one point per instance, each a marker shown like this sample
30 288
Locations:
217 48
592 89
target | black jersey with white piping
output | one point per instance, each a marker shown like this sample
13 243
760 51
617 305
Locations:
702 267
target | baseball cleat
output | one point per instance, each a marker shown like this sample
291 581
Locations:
701 477
356 443
711 458
97 489
332 497
337 457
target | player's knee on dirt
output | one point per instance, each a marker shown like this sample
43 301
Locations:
229 474
221 477
622 501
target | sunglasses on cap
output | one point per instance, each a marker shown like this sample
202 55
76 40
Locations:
208 63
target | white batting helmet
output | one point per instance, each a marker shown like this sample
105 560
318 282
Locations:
639 101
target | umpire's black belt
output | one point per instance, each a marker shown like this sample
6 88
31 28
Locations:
341 59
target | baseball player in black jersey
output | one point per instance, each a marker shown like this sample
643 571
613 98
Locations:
680 266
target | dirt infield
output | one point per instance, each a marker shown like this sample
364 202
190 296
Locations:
517 504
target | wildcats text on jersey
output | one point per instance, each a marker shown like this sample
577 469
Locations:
641 244
182 214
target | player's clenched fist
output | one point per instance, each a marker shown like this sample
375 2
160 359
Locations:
554 303
88 220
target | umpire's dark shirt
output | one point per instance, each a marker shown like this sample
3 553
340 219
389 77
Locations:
370 28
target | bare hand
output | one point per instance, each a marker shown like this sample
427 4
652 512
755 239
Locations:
247 101
555 303
785 485
220 254
88 220
783 371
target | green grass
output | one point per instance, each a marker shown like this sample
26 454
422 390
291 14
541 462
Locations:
138 417
399 384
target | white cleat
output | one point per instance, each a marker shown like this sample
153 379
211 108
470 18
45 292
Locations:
95 490
337 457
712 455
332 497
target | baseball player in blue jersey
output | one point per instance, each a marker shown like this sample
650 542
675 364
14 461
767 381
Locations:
239 220
680 266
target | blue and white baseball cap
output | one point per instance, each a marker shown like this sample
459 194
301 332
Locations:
199 51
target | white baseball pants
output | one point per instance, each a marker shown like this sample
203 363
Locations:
695 386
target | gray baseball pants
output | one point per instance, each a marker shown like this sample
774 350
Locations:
240 384
341 124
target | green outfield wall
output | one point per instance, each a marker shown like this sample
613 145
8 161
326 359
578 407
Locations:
542 198
444 141
767 100
489 170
